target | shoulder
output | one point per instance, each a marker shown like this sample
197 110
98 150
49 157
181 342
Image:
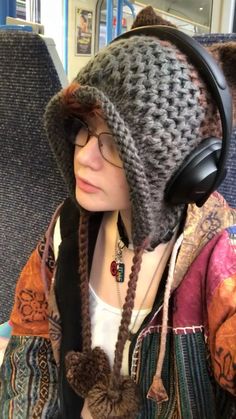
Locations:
207 223
206 228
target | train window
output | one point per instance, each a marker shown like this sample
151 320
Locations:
108 18
29 10
188 15
21 9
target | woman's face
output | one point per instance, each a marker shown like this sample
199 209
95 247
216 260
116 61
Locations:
100 185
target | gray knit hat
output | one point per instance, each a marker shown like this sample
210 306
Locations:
158 109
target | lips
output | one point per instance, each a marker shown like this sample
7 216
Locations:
85 185
86 181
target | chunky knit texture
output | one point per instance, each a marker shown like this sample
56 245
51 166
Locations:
147 16
155 103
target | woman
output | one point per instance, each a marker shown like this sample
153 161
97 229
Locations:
136 318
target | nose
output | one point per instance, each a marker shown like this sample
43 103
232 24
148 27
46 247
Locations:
89 155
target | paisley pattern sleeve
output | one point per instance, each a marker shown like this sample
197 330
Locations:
221 295
28 375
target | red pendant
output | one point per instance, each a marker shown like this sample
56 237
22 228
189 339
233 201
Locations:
118 270
113 268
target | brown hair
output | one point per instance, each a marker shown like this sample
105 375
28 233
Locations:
71 105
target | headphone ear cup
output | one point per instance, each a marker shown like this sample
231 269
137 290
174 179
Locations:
195 180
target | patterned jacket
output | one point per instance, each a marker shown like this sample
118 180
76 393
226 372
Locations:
199 370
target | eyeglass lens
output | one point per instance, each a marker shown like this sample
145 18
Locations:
106 144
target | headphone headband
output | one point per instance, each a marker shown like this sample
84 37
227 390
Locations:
210 72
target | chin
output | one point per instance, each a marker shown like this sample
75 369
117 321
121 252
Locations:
90 203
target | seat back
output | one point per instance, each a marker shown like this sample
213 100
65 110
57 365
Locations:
228 186
31 186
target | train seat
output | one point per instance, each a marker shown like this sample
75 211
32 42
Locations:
227 188
31 186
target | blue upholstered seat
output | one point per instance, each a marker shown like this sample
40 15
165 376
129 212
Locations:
228 187
30 184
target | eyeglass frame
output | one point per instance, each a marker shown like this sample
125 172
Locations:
94 134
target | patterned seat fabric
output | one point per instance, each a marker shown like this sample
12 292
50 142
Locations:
31 186
227 188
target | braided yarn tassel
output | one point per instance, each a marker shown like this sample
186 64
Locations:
118 396
84 369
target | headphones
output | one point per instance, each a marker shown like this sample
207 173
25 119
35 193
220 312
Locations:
204 169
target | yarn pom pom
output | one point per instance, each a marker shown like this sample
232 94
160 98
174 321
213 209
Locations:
119 401
83 371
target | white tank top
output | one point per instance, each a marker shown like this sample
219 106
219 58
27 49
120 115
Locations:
105 322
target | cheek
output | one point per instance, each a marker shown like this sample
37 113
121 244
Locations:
123 194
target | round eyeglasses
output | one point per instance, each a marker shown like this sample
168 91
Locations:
106 143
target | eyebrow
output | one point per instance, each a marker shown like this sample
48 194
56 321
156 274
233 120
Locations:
103 129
